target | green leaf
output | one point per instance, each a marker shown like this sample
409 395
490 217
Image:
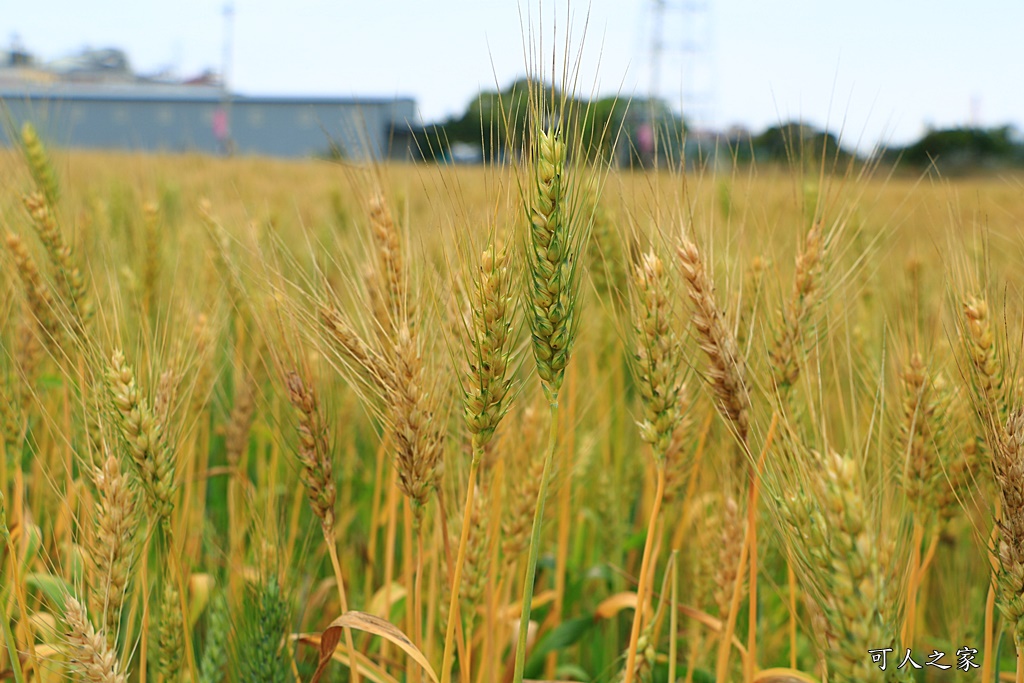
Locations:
33 542
635 541
571 672
51 381
77 569
53 587
702 676
600 572
562 636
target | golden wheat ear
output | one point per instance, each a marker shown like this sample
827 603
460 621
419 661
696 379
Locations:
314 451
44 175
112 545
659 357
1008 465
490 350
726 369
92 656
145 437
787 353
42 304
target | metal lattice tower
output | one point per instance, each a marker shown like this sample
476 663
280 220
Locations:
682 57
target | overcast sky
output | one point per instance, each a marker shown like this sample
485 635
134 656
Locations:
876 69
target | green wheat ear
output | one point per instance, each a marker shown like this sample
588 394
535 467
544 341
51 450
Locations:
552 255
5 533
259 649
169 652
215 656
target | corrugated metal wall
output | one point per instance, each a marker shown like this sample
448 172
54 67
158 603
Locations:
266 126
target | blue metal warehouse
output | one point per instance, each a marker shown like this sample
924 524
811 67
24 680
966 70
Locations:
88 108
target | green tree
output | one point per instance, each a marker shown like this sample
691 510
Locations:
964 147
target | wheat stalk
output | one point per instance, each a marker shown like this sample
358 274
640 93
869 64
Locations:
485 390
553 255
922 430
659 362
317 475
844 558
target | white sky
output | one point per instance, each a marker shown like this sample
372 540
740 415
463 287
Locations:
877 69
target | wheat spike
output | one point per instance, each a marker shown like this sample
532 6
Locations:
236 436
1008 465
489 348
145 436
552 262
113 545
40 299
218 630
845 560
91 654
727 372
314 450
390 271
925 404
786 354
417 437
70 278
730 545
987 370
39 164
659 358
366 361
169 649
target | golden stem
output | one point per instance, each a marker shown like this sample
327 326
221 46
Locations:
454 613
342 601
641 588
755 483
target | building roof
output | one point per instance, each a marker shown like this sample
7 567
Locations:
106 75
165 92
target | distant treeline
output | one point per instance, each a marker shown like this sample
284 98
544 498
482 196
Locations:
630 132
496 124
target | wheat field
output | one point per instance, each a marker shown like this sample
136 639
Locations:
301 421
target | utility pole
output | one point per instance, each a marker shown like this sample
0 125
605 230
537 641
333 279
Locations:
225 71
687 48
657 47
